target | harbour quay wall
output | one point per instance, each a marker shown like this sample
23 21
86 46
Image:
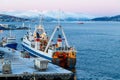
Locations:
24 68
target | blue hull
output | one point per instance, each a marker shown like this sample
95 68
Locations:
1 28
12 45
34 53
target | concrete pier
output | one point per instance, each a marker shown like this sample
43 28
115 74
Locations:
23 68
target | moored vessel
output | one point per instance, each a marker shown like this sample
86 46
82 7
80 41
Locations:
9 41
4 26
57 50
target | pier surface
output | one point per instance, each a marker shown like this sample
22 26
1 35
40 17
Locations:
24 68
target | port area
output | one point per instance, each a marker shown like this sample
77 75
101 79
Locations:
24 69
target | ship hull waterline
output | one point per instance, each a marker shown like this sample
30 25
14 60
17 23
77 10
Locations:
70 64
34 53
12 45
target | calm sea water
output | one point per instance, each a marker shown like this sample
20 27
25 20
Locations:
97 44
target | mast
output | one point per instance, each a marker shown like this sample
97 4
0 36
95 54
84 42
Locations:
41 18
10 33
23 25
57 27
51 38
29 28
64 37
41 23
59 18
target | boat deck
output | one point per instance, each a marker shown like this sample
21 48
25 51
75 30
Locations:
25 67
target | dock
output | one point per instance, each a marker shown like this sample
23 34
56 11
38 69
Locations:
23 68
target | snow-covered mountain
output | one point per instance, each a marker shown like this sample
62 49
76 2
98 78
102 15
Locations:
49 14
23 14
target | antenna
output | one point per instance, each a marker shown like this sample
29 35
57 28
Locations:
59 17
10 33
41 18
29 28
23 25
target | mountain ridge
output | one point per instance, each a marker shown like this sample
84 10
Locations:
52 16
49 14
106 18
10 18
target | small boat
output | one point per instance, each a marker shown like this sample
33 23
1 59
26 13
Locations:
9 41
80 23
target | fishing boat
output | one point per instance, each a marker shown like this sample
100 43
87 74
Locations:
9 41
56 48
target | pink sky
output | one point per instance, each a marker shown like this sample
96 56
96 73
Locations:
92 7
